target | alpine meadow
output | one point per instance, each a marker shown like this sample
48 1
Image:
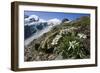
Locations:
56 36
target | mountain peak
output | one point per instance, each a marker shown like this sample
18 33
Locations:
35 17
54 21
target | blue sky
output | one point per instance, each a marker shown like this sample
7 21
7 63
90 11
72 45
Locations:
51 15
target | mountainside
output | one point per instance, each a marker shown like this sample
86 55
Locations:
63 41
35 25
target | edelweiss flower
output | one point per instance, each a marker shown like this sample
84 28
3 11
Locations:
73 44
82 35
55 40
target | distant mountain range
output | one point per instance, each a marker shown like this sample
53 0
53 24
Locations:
34 19
34 25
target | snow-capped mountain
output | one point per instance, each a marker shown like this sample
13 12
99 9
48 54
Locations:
34 27
42 20
34 19
54 21
31 19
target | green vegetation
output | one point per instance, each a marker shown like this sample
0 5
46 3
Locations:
71 47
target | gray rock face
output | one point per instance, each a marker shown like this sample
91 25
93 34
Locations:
65 20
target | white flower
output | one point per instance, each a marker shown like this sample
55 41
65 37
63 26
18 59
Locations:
82 35
55 40
72 44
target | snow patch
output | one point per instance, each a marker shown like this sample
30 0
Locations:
42 20
35 17
54 22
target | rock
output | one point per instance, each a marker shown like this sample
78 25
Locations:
37 58
65 20
59 57
51 57
40 53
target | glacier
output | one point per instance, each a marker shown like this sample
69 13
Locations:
46 26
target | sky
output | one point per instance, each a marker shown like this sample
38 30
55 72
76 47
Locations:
51 15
